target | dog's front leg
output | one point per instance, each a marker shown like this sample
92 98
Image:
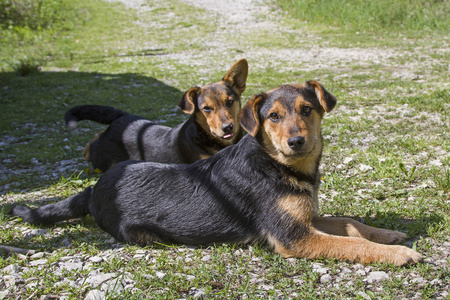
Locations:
321 245
348 227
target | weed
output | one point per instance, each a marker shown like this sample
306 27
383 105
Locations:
442 181
27 66
409 174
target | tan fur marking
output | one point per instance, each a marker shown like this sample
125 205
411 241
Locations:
321 245
300 207
349 227
201 120
87 148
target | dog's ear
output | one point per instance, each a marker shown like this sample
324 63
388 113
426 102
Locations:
326 100
188 101
237 75
249 115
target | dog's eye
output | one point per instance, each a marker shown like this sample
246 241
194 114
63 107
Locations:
207 108
274 117
306 110
229 103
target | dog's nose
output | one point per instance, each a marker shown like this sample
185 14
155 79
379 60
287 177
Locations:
296 142
227 128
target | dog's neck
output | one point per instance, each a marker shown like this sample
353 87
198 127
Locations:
302 169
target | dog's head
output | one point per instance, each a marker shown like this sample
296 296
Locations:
216 106
286 121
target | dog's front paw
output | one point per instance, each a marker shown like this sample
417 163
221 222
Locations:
23 212
385 236
402 255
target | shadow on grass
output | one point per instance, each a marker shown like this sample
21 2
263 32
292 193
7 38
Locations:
33 137
85 230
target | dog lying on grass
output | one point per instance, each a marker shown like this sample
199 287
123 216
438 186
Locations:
213 125
264 188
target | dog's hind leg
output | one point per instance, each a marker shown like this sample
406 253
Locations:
320 245
353 228
75 206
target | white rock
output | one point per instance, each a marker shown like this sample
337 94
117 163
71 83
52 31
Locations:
348 160
70 266
95 259
160 275
38 262
100 278
365 168
112 286
376 276
9 280
325 278
197 293
319 268
206 258
37 255
11 269
95 295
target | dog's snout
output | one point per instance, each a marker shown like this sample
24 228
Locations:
296 142
227 127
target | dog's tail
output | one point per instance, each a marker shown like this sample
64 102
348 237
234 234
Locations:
97 113
75 206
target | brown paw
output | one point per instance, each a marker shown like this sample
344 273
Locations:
402 255
385 236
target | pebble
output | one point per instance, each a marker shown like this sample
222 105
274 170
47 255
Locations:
37 255
97 279
71 266
376 276
38 262
160 275
326 278
319 268
95 259
95 295
11 269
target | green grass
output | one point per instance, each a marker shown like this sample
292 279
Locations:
380 15
392 115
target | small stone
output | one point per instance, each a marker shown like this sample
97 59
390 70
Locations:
38 262
95 259
37 255
267 287
160 275
361 272
365 168
70 266
35 232
319 268
112 286
95 295
96 280
9 280
348 160
325 278
376 276
197 293
346 270
206 258
11 269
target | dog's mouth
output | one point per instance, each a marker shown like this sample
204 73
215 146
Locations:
227 136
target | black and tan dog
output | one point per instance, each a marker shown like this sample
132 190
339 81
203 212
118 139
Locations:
213 125
263 188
